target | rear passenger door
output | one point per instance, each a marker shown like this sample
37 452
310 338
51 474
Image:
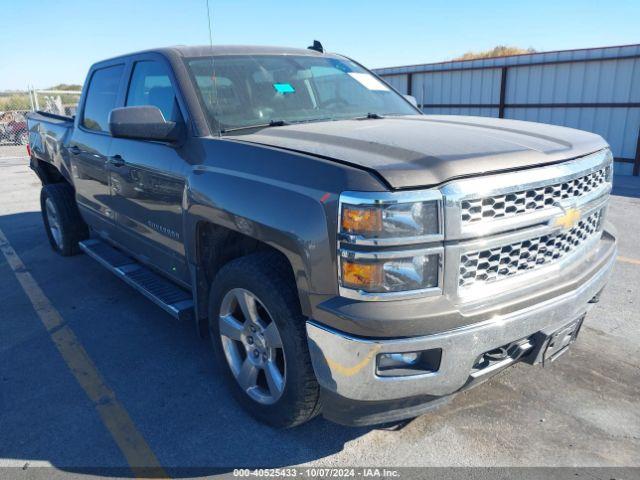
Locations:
90 143
148 177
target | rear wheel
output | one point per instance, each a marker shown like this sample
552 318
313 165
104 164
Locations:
259 339
62 220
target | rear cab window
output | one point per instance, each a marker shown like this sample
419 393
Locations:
102 96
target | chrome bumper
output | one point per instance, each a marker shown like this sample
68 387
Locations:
346 365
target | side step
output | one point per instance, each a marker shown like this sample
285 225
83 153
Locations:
171 298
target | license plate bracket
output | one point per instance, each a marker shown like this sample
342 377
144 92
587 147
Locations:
560 340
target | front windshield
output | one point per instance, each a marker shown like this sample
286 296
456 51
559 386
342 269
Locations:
256 90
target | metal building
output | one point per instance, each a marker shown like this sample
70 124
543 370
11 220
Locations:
595 89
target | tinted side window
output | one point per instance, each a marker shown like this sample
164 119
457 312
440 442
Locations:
150 85
101 98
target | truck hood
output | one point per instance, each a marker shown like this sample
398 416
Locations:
427 150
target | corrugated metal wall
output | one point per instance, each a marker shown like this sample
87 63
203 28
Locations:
592 89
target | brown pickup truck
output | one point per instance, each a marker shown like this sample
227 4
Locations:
344 253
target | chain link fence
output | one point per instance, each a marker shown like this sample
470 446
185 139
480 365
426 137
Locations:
14 106
13 127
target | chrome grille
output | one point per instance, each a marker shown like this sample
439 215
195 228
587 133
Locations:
489 265
515 203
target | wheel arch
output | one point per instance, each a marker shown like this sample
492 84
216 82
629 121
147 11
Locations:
216 246
47 173
231 216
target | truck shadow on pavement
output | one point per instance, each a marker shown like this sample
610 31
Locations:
161 372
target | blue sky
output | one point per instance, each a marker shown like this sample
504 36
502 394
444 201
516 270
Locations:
45 42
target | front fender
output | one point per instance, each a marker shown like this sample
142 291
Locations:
289 217
286 199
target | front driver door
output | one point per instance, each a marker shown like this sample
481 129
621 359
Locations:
148 178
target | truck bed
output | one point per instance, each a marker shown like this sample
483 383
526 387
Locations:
48 137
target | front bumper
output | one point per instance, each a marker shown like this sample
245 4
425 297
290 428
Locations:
345 365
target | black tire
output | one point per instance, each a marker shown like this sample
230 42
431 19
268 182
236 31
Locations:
71 229
268 277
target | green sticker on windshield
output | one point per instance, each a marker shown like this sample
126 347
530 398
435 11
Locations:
284 87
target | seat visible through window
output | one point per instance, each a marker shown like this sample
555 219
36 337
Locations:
151 85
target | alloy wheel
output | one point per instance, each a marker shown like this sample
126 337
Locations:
54 223
252 346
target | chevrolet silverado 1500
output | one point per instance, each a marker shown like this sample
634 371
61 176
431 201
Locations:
344 253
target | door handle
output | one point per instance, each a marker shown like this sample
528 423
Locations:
75 150
117 161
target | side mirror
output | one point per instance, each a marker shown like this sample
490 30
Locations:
411 99
144 123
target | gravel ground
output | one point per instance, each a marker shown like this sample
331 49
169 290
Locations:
583 411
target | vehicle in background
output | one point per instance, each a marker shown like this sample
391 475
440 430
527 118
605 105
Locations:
13 128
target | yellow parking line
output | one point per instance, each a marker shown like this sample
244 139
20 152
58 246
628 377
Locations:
632 261
115 418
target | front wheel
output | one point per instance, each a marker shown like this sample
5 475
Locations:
259 340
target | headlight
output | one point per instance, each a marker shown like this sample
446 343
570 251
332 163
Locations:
609 162
369 218
406 228
385 272
388 221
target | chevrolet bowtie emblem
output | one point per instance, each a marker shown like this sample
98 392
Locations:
569 219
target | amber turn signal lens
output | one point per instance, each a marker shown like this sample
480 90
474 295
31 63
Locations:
361 275
356 219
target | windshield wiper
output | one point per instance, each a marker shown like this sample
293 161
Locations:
272 123
374 116
314 120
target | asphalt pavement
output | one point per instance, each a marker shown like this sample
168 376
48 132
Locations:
582 411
